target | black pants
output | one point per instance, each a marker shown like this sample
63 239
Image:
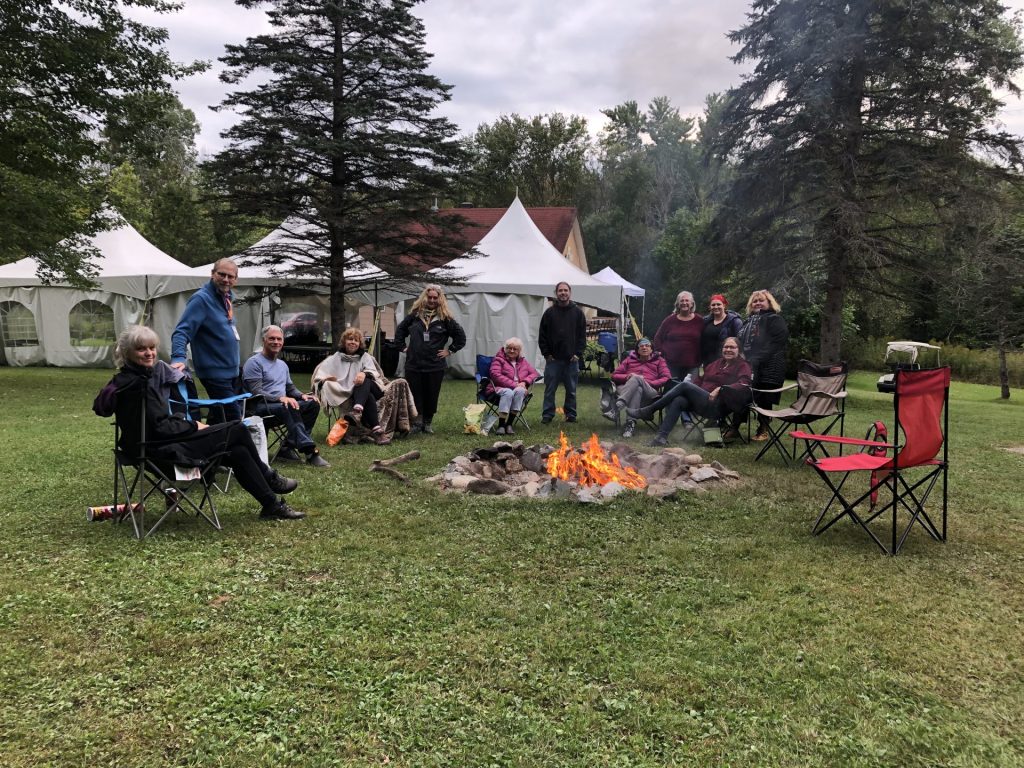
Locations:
366 395
426 388
241 455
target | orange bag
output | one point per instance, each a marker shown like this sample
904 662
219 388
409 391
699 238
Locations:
337 432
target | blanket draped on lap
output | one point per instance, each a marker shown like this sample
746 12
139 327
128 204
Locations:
333 381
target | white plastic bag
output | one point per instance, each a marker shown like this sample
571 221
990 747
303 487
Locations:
258 433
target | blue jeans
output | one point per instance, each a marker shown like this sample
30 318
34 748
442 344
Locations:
221 388
299 421
566 373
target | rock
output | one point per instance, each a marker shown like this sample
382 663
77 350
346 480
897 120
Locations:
529 490
488 487
694 459
532 461
463 463
461 482
702 474
611 490
522 478
436 479
587 495
560 489
513 465
662 490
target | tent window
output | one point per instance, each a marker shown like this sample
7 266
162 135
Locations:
92 324
17 325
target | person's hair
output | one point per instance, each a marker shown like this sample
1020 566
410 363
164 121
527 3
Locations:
719 297
739 347
513 340
767 296
442 304
132 338
680 296
561 283
218 262
269 328
351 333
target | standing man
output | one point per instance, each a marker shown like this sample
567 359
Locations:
208 326
267 375
563 335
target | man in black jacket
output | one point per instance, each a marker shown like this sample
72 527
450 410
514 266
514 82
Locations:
563 335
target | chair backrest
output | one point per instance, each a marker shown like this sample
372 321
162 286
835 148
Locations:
483 374
815 377
921 410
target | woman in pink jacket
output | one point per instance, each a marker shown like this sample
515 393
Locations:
511 377
638 379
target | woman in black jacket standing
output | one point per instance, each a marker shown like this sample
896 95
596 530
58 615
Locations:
764 338
425 334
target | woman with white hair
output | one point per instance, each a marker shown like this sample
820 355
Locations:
678 337
144 382
511 377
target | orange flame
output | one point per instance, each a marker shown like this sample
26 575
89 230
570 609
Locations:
591 466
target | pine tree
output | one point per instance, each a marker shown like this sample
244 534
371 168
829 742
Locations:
853 137
343 138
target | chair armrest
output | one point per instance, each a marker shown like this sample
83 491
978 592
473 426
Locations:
812 438
780 389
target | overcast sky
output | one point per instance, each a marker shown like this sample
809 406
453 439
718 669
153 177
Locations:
530 57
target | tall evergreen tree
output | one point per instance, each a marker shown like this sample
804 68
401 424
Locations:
344 138
854 135
66 69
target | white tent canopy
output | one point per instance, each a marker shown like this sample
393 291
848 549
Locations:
509 285
610 276
62 325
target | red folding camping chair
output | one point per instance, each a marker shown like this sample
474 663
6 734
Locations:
908 472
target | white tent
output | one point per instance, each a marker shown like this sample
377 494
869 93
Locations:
610 276
66 326
509 285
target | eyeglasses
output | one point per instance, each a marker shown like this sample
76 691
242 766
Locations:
226 275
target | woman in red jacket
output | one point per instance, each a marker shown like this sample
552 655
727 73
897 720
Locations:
638 379
723 389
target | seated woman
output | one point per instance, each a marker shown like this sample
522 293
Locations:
173 437
510 379
638 379
723 389
352 381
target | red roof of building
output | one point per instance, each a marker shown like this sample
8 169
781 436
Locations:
554 223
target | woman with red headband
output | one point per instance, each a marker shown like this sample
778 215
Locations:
719 324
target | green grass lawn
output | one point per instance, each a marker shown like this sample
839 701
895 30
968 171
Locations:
402 626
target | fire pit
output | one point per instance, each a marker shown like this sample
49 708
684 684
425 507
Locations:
594 473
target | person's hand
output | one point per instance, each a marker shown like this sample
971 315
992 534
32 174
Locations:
308 396
289 402
714 393
360 378
201 425
443 353
178 366
522 384
574 358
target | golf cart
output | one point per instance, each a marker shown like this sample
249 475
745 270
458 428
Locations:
902 355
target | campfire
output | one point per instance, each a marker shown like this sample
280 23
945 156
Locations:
597 472
591 466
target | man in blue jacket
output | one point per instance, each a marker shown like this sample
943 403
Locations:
208 326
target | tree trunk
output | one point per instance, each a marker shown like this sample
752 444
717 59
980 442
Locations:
1004 371
831 333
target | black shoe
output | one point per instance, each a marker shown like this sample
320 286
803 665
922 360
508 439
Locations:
659 441
427 428
281 511
288 454
546 420
416 427
316 460
280 484
570 419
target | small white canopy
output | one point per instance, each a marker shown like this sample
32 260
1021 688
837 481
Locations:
610 276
